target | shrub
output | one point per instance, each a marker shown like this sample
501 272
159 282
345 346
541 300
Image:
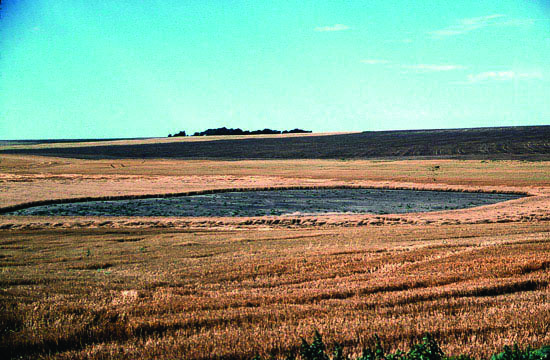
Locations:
428 349
515 353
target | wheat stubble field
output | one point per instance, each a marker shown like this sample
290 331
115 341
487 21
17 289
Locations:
196 288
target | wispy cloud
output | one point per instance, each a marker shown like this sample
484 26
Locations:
464 26
507 75
434 67
518 22
335 27
415 67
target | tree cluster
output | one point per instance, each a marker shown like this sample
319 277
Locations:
226 131
181 133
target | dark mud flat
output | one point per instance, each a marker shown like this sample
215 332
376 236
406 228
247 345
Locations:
277 202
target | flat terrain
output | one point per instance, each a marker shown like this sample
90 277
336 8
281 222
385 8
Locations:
28 179
221 287
531 143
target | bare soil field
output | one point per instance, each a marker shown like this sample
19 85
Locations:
529 142
229 288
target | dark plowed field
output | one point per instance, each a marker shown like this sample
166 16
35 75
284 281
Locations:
530 142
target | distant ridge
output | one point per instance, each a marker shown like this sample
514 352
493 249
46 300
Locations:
57 141
524 142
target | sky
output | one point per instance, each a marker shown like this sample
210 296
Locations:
118 68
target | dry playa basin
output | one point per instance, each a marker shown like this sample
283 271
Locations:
276 202
95 287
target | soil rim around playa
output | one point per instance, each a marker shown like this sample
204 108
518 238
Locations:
441 217
27 205
32 180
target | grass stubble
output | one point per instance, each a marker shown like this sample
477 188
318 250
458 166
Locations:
98 293
229 292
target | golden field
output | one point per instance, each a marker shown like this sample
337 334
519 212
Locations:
95 288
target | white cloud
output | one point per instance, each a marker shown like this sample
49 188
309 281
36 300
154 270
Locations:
374 61
434 67
335 27
481 20
503 76
470 24
518 22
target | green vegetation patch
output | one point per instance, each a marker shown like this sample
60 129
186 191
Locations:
428 349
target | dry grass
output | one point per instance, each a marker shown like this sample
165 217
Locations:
232 293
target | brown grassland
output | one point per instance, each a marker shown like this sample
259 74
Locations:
194 288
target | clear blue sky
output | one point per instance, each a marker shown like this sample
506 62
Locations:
121 68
